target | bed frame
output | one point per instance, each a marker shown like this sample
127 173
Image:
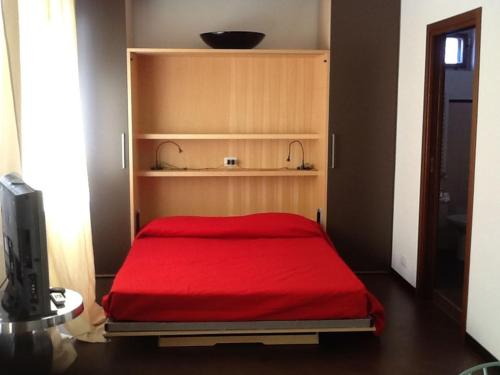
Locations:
211 333
161 81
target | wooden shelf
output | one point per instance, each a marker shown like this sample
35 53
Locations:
219 52
222 136
229 173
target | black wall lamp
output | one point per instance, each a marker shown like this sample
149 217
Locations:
158 166
303 165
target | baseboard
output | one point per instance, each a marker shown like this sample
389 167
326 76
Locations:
402 281
105 276
373 272
481 349
447 306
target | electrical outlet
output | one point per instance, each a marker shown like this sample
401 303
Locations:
230 161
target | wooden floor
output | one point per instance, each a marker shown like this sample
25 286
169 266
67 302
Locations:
418 339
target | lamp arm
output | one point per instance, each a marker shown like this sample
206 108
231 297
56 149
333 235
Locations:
158 148
290 150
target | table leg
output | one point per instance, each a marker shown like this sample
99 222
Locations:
26 353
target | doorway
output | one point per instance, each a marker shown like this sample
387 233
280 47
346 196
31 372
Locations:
448 159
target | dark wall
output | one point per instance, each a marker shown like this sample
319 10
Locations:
364 71
102 60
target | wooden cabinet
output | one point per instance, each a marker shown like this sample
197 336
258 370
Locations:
365 38
249 104
103 86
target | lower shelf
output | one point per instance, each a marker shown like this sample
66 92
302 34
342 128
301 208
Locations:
239 172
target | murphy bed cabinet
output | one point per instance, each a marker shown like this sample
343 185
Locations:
249 104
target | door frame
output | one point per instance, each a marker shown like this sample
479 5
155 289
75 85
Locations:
431 140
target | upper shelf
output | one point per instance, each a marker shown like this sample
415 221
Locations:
211 51
223 136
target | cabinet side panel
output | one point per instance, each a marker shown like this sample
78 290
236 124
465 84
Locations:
134 154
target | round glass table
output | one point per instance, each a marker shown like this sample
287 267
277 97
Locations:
25 344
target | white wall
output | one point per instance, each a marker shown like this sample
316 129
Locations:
484 288
178 23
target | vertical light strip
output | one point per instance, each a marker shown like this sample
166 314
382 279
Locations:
124 162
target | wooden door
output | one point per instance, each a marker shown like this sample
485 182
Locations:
431 152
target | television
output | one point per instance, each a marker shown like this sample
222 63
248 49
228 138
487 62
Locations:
25 245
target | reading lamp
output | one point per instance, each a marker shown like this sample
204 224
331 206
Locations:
157 166
302 166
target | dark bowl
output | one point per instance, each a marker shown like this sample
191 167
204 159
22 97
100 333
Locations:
232 39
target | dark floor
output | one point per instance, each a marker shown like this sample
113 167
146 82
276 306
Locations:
418 339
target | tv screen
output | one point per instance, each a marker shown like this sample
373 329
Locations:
25 246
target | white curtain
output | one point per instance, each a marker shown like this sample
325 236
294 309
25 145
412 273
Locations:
53 149
9 141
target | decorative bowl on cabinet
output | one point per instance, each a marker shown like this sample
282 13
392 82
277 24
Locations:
232 39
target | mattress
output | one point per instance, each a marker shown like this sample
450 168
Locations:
262 267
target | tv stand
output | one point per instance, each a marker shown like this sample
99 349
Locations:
25 344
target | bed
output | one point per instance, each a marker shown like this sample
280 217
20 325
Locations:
265 277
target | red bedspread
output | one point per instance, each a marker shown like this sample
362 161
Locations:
256 267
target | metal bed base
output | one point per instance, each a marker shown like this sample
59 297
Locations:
212 333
